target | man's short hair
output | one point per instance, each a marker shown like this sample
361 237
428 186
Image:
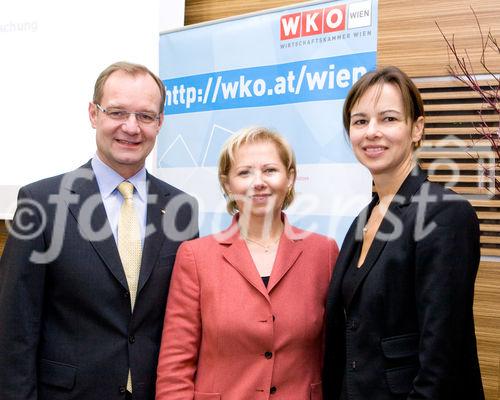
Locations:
129 68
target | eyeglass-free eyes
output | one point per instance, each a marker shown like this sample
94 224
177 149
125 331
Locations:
122 115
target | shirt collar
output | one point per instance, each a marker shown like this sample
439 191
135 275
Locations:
108 179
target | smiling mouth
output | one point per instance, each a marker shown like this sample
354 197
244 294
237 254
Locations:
126 142
260 196
374 150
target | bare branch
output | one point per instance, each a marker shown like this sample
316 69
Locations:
461 68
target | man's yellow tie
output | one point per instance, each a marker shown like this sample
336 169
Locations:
129 245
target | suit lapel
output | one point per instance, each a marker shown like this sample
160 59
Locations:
237 255
92 219
387 230
153 242
373 253
289 251
344 260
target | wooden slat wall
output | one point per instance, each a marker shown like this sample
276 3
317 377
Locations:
448 156
487 320
207 10
407 35
3 236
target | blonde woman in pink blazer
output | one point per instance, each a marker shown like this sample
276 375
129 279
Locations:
246 307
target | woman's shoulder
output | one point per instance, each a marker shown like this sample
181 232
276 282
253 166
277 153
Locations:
441 202
210 241
433 206
201 242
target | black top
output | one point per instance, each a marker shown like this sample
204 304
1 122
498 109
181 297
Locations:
349 282
352 275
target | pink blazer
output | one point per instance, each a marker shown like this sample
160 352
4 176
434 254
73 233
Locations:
227 337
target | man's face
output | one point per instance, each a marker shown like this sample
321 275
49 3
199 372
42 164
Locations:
124 144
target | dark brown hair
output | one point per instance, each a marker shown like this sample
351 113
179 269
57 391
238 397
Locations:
412 102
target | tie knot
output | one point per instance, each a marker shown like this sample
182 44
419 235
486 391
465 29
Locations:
126 189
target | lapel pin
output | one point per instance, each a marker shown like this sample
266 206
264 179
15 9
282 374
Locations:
162 211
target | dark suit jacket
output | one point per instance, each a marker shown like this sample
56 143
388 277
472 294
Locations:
66 328
407 330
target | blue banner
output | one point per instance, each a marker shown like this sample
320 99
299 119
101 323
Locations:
327 78
288 69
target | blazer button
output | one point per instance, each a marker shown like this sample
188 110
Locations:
122 389
126 294
131 339
273 390
268 355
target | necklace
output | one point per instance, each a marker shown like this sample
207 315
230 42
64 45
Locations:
375 207
266 247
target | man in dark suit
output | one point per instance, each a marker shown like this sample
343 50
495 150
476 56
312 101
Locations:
86 269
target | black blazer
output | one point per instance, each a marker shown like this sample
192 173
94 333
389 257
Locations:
407 330
66 327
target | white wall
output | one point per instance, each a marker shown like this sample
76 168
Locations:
51 54
171 14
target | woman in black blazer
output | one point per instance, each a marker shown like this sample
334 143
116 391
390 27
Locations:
399 311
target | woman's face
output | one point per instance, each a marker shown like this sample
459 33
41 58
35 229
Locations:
381 135
258 180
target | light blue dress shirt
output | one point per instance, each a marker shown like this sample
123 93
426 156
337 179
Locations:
108 180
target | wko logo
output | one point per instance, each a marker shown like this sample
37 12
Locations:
325 20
